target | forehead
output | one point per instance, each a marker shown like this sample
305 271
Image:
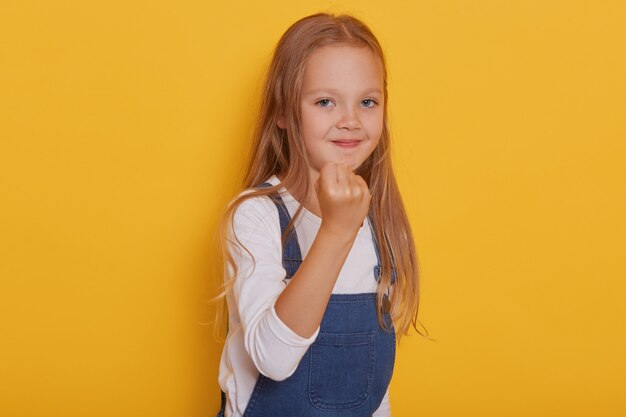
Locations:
342 67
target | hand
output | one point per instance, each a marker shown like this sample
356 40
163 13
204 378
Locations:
343 198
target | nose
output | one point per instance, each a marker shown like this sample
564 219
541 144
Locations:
349 119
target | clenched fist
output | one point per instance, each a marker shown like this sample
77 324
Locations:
343 197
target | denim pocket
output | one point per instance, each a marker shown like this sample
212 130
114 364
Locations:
342 370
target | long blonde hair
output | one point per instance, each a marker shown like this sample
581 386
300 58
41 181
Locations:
280 151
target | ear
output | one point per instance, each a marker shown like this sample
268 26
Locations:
280 121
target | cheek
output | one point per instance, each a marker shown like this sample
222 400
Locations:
314 118
373 145
311 133
375 126
307 121
314 129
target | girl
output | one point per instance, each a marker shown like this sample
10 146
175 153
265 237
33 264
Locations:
321 268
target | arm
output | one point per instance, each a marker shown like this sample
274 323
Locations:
344 202
302 304
274 349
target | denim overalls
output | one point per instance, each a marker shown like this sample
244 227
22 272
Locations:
347 370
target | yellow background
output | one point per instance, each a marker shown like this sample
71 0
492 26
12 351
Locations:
123 130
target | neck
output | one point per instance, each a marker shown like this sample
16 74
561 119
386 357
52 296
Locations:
310 202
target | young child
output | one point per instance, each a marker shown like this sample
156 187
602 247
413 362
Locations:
321 267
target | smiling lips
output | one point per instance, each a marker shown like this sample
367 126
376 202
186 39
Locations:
346 143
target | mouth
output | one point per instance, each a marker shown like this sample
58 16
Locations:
346 143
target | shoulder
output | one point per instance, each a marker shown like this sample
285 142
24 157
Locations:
259 205
254 210
254 222
262 205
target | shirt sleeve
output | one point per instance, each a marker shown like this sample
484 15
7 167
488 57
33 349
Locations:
255 244
384 410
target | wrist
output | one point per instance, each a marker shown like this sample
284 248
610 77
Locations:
337 235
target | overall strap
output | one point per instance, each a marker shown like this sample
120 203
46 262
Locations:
377 268
386 305
292 256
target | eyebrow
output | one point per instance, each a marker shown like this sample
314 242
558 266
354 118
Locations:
334 91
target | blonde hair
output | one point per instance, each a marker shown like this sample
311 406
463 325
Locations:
280 151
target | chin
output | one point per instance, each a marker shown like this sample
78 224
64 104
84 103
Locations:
354 165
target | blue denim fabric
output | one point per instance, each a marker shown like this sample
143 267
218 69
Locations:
348 368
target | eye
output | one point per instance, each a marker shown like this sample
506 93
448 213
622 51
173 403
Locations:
368 102
325 102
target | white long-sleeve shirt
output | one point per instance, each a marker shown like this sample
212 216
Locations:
258 341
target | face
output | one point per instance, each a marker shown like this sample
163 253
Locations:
341 106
